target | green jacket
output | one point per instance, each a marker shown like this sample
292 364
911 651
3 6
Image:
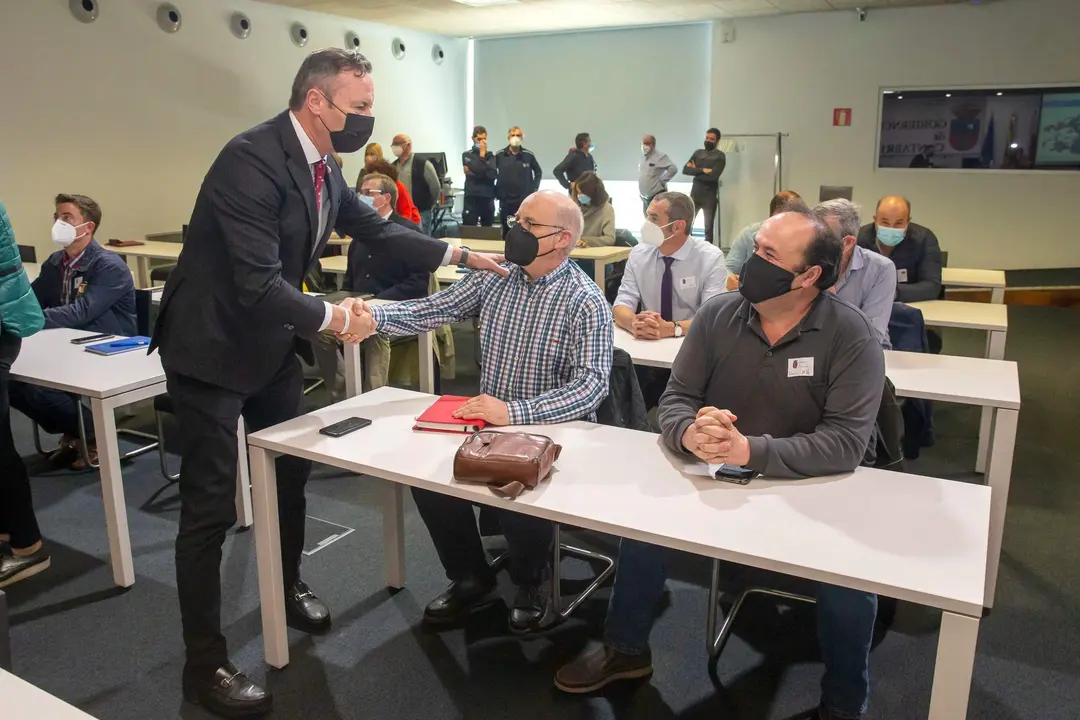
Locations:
20 312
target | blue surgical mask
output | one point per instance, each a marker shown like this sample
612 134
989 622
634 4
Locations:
890 237
367 200
584 199
592 148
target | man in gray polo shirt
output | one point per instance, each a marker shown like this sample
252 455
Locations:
783 378
867 279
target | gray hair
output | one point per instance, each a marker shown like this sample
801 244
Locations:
322 66
845 212
680 207
386 185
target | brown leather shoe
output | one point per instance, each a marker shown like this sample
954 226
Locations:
91 451
594 669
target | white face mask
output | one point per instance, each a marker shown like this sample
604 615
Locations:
396 149
653 234
645 149
515 142
63 234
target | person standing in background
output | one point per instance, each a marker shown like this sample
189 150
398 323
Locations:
579 160
480 175
706 166
654 172
518 176
23 554
419 178
372 154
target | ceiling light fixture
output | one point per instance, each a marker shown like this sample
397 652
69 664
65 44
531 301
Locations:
948 94
486 3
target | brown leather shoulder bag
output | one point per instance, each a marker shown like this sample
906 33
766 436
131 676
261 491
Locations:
508 462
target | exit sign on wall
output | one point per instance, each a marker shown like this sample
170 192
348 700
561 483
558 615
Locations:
841 117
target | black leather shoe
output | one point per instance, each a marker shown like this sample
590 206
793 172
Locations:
304 610
460 598
228 693
530 608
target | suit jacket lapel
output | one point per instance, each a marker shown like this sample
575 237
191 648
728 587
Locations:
300 172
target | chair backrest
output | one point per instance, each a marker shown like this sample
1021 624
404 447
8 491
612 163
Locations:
28 253
624 405
144 310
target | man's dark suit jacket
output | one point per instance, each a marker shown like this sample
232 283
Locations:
233 308
386 275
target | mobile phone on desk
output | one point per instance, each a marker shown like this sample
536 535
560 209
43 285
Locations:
734 474
345 427
90 338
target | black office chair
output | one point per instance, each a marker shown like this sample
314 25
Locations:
27 253
160 275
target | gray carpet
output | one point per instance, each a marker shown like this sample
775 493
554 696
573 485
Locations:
118 655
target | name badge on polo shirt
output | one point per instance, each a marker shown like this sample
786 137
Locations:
901 275
800 367
688 282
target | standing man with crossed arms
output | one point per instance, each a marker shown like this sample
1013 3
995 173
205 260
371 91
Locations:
233 320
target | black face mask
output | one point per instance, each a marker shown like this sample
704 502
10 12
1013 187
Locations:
761 280
710 145
522 247
354 135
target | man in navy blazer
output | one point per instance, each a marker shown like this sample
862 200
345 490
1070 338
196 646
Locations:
233 319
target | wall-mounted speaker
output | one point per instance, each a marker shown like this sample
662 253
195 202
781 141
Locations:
437 54
299 34
397 48
352 41
84 10
240 25
168 17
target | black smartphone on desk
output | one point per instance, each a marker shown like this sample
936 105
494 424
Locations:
345 427
90 338
735 474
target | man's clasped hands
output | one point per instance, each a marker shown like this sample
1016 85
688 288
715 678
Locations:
714 438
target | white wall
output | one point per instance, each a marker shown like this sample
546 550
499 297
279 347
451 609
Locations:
788 73
615 84
133 117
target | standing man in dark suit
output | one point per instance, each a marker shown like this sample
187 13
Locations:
706 166
577 162
233 319
480 174
519 176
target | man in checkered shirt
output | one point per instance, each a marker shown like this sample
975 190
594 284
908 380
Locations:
546 343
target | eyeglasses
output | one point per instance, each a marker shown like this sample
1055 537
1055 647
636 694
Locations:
528 224
372 193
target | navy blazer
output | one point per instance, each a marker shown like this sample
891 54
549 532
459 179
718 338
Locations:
102 295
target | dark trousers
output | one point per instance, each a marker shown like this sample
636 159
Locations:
653 382
56 411
457 539
17 517
508 209
478 211
208 416
707 202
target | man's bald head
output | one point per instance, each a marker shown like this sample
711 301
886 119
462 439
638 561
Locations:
649 140
803 244
549 207
401 139
892 211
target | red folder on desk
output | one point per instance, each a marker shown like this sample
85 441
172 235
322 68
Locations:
440 417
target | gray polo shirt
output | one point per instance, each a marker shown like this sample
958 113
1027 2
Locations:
807 404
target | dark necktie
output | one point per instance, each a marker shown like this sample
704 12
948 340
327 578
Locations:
665 290
320 178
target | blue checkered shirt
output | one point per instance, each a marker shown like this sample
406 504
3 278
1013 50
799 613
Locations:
546 345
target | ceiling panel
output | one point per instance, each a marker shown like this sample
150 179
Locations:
448 17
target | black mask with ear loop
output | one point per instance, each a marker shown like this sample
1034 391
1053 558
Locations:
354 135
762 280
522 247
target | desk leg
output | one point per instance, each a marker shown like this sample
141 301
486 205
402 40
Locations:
243 479
112 493
142 272
394 534
997 295
953 667
353 385
600 274
268 555
995 350
427 362
998 477
995 345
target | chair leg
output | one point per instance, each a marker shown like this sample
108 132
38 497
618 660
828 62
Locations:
162 458
37 442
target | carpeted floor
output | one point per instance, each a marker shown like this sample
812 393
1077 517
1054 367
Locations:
118 655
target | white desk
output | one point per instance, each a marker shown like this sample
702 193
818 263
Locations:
143 254
22 701
966 277
32 270
993 385
915 538
600 256
48 359
991 317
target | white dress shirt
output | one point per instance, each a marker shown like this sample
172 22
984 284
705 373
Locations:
697 274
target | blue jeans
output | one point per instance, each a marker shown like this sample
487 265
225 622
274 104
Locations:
845 621
425 221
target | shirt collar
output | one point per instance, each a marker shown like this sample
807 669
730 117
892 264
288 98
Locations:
311 153
682 253
553 276
61 257
858 261
813 320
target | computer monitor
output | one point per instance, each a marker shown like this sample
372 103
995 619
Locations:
438 160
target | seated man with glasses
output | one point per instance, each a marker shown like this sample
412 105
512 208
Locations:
546 343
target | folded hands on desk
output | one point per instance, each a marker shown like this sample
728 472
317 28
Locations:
714 438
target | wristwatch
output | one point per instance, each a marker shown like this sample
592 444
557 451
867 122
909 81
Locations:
678 330
464 257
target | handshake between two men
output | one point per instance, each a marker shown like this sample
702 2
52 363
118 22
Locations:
354 323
